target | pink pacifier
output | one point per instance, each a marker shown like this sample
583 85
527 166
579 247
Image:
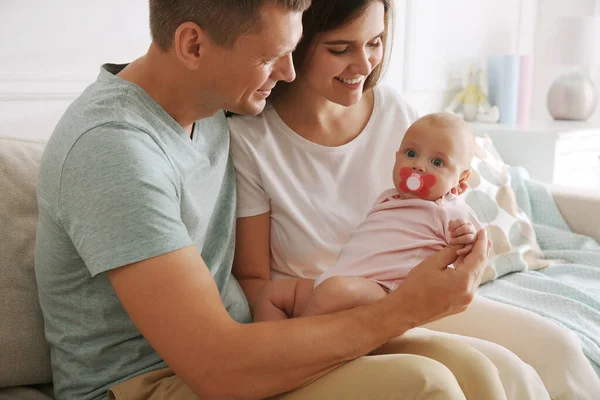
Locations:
411 181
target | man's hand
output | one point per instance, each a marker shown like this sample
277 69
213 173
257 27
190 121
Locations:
462 235
432 290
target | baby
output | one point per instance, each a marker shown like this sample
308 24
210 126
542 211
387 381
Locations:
422 214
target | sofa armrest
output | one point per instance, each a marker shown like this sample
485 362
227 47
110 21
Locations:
580 208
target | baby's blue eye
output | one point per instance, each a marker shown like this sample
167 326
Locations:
437 162
411 153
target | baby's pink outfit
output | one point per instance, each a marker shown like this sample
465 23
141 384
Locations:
396 235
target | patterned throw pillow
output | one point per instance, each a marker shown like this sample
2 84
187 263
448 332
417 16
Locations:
491 197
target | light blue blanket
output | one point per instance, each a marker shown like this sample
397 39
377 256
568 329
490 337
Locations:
569 293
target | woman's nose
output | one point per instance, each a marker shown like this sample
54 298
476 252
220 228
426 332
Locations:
362 64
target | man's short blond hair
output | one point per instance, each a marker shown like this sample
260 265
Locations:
224 20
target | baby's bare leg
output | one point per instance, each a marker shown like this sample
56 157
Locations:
341 293
282 299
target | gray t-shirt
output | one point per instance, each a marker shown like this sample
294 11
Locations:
120 182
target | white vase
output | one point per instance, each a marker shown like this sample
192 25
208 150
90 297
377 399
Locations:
572 96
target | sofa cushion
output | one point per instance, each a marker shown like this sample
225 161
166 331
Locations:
24 353
43 392
515 247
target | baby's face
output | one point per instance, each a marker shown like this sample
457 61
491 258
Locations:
443 151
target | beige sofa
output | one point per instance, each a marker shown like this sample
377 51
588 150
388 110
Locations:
25 372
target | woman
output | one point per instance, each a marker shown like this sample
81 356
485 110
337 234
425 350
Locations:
310 167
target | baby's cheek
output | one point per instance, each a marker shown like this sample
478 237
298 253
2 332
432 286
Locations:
443 185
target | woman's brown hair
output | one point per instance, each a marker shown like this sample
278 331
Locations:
326 15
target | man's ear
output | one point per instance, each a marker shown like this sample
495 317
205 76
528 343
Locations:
191 42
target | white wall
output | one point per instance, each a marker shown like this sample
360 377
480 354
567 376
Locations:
545 73
51 50
441 37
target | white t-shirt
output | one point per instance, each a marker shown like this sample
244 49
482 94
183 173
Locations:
317 195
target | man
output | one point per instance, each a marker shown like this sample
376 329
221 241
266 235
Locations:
135 241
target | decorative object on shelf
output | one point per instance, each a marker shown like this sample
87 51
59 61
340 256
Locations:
503 74
511 82
525 88
473 98
574 41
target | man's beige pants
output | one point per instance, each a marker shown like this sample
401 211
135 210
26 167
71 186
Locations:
421 364
398 376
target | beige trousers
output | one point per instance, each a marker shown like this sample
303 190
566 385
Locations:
393 377
421 364
553 351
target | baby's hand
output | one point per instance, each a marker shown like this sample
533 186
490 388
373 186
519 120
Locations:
460 189
462 233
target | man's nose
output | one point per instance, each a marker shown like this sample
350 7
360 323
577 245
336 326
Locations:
284 70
